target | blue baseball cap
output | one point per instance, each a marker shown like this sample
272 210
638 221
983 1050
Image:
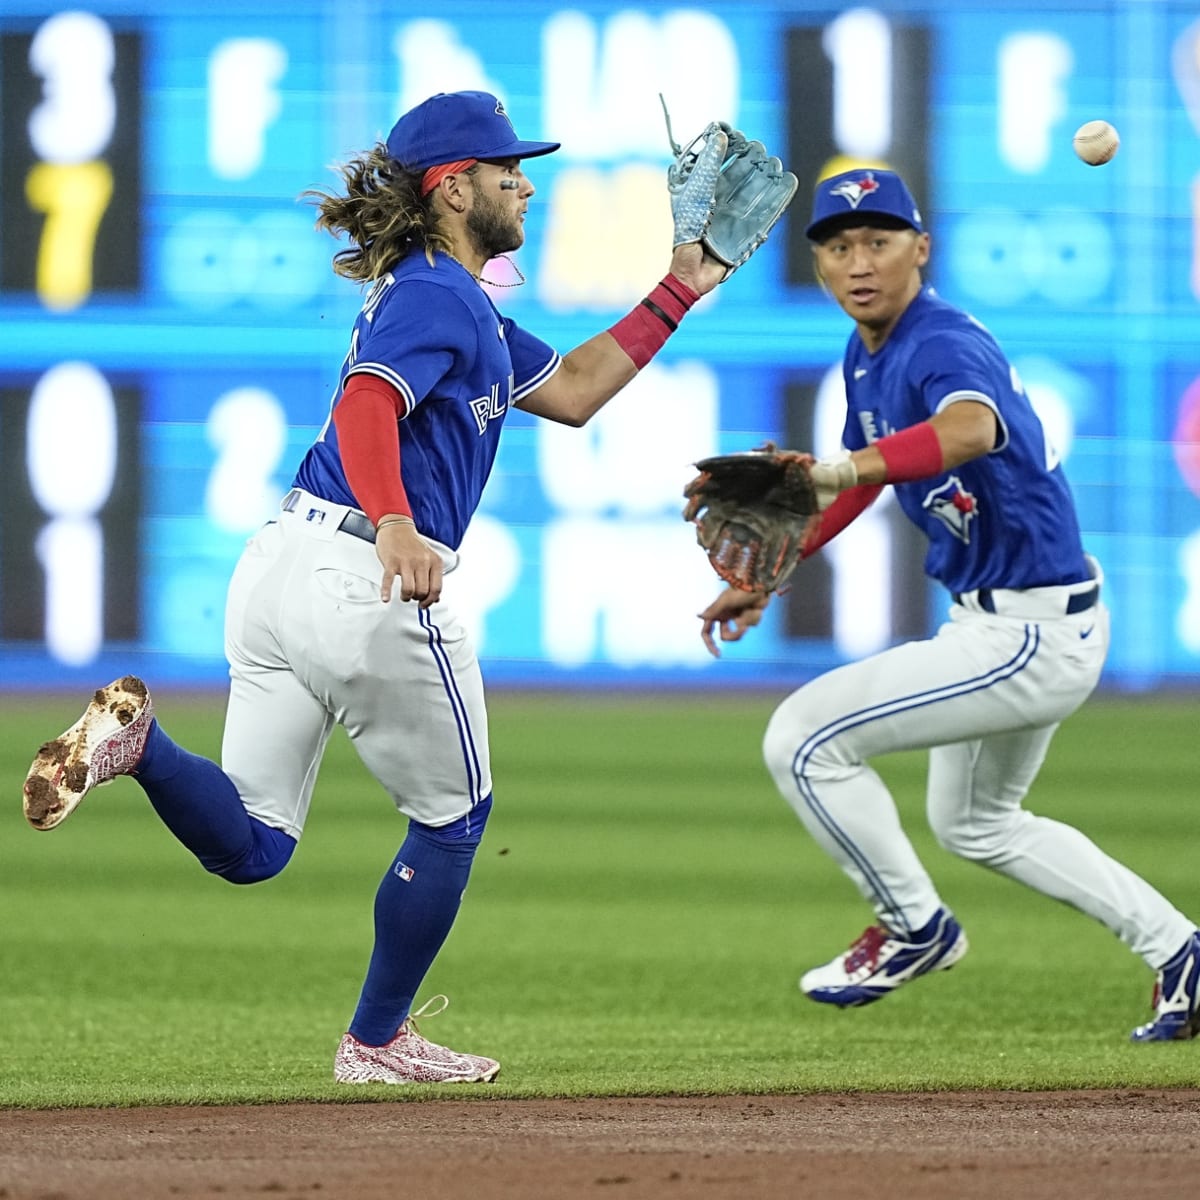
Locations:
859 197
456 125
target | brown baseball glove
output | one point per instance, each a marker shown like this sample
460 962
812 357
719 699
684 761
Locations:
753 512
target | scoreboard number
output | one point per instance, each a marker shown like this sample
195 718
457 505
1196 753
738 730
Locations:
73 198
70 194
70 486
857 94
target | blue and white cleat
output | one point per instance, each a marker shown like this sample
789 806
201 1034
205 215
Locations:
881 961
1176 999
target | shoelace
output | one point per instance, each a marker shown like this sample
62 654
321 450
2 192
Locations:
426 1010
864 951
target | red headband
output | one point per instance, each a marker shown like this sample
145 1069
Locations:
435 175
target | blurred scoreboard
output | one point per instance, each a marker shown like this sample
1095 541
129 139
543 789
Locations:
171 331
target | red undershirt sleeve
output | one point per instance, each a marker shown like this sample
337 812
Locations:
365 418
850 504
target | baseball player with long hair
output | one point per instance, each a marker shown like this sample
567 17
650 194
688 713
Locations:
935 410
335 611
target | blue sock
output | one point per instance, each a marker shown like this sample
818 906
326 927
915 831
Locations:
415 907
200 805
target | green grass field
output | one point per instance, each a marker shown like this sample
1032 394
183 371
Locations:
640 910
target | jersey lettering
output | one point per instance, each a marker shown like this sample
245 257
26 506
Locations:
489 407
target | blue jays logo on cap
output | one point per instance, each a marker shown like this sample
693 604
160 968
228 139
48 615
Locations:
854 197
853 190
452 126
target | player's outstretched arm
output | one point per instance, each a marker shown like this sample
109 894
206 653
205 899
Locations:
595 371
958 433
848 482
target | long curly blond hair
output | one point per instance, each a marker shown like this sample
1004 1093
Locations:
382 213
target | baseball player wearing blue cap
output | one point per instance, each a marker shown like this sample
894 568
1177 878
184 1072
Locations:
935 410
336 612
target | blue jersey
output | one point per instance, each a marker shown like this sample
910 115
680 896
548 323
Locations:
435 336
1004 520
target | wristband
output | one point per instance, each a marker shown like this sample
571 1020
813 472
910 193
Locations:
913 453
642 333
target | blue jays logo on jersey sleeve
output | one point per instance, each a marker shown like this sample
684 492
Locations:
954 506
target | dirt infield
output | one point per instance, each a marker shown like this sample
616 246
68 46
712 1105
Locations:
944 1146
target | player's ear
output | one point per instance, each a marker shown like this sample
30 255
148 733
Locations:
817 271
922 249
452 192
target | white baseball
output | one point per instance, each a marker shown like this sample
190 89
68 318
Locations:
1096 142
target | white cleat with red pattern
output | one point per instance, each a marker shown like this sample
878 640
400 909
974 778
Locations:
410 1058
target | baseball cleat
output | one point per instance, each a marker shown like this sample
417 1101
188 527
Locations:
1176 1000
105 742
880 961
410 1058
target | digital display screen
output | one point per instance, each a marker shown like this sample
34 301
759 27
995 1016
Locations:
171 330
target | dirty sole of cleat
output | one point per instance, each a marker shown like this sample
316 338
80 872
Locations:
105 742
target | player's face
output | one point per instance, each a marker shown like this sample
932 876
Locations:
496 221
874 274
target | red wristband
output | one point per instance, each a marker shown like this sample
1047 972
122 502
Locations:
913 453
643 332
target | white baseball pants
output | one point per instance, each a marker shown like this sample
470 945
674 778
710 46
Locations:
311 645
985 695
